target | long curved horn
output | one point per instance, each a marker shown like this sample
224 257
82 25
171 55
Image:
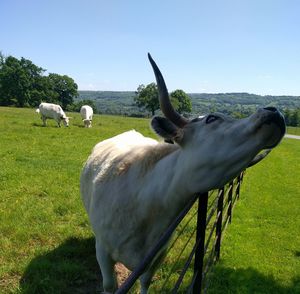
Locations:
259 157
164 99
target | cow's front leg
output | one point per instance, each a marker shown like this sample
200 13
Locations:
43 118
107 269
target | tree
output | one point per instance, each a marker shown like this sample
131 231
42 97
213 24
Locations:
64 87
2 59
18 78
147 97
287 116
182 102
22 83
295 118
77 105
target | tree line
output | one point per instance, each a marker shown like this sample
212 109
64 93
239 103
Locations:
147 97
24 84
238 106
292 117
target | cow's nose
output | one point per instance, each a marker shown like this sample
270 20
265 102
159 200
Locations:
270 108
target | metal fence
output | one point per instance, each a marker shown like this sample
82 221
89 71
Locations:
213 213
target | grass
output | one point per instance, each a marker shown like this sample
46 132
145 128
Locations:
46 245
45 240
261 249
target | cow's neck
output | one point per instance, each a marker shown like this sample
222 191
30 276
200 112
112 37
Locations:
167 184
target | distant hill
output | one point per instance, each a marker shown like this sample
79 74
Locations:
114 102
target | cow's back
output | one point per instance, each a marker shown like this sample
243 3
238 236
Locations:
50 110
106 183
86 112
106 161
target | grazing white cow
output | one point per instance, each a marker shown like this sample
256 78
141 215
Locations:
86 113
52 111
133 187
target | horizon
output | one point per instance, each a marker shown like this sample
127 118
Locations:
217 46
225 93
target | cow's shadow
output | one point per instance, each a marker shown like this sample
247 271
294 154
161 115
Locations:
69 268
72 268
49 125
53 125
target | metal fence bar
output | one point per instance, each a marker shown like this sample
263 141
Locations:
149 257
229 201
185 268
200 237
173 243
239 181
210 195
210 260
208 239
181 231
187 263
219 224
211 213
224 226
223 203
236 193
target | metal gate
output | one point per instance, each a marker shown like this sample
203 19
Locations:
213 214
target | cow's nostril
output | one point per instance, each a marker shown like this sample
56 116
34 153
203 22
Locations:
271 109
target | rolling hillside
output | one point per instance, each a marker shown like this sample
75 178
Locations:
113 102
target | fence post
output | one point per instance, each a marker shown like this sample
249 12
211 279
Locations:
230 201
219 223
200 235
239 181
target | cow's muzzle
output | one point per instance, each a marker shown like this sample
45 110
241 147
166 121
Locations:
276 117
271 116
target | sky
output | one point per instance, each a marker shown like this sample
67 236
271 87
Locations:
212 46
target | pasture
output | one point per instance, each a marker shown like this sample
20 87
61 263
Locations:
46 243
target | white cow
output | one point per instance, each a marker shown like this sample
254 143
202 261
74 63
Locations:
86 113
52 111
133 187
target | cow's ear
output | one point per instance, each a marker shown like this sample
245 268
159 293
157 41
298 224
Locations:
166 129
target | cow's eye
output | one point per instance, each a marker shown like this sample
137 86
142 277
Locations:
211 118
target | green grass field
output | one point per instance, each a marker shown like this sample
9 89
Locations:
261 248
46 245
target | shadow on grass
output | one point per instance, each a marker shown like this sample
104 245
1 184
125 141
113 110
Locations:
72 268
239 281
69 268
52 125
79 125
37 124
40 125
